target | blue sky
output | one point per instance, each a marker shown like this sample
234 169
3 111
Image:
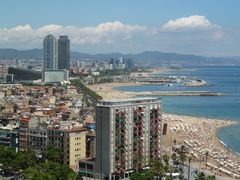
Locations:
138 25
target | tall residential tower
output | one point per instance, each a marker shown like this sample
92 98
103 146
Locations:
63 52
50 53
127 136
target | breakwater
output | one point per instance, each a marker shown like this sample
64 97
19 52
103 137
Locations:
180 93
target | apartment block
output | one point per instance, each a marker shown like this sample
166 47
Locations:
128 134
9 137
70 138
38 139
91 145
23 133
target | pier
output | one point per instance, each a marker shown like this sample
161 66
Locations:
181 93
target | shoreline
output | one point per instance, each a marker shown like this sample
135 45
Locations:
222 142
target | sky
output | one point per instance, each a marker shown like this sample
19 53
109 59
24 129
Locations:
202 27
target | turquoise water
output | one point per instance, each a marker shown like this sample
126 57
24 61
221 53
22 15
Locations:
221 79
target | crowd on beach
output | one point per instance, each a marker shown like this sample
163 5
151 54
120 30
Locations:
199 136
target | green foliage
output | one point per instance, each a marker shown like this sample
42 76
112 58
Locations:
145 175
48 169
202 176
23 160
182 154
166 158
86 91
174 158
79 177
52 154
157 168
211 177
34 173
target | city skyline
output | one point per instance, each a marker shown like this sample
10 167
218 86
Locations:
201 28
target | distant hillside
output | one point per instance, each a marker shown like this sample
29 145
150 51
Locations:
156 57
151 58
20 54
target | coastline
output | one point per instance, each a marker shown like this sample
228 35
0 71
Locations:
107 92
204 134
222 143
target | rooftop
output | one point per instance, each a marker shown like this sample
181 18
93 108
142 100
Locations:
119 102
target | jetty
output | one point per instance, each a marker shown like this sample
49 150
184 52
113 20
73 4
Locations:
181 93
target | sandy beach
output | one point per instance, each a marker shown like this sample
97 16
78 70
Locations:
199 135
196 133
107 92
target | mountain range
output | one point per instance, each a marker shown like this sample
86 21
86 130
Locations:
150 58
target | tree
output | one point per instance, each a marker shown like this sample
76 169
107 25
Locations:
157 168
52 154
166 158
34 173
7 157
136 176
201 176
79 177
174 156
211 177
175 159
49 170
167 166
174 141
27 163
145 175
189 162
206 155
23 160
183 154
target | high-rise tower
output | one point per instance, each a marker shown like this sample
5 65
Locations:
63 52
127 136
50 53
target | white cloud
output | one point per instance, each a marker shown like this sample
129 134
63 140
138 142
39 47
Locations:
195 22
21 28
50 28
197 35
104 33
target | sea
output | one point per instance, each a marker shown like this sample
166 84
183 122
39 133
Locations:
221 79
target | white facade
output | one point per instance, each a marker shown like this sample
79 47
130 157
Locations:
50 53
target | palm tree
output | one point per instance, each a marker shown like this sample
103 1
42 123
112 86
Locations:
166 158
183 154
174 157
211 177
206 154
189 162
201 176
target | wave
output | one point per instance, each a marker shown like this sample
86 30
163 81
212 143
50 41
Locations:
223 143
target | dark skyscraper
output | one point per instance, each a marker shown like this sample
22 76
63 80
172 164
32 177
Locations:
63 52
